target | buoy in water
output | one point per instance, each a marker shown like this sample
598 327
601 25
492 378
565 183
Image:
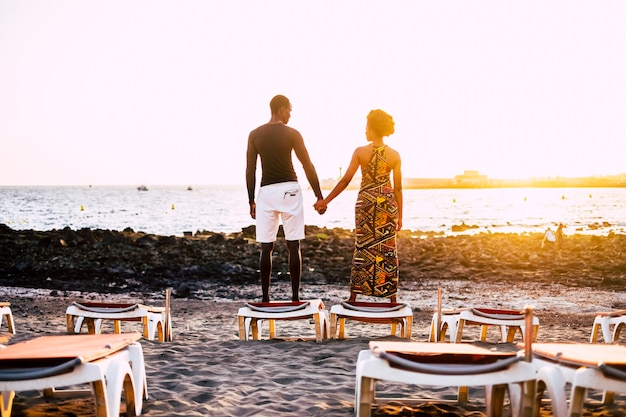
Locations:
82 208
173 207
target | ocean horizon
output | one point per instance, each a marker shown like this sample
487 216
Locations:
173 210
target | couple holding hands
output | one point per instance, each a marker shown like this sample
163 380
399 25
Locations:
378 209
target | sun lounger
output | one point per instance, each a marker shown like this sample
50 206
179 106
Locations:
111 363
6 314
154 319
509 322
395 314
604 322
584 366
445 364
252 315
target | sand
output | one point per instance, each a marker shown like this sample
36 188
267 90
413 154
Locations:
208 371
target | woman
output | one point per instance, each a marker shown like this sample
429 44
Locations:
378 211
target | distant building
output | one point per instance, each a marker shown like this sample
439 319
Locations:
471 179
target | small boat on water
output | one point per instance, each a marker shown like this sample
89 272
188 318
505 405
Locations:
142 188
189 188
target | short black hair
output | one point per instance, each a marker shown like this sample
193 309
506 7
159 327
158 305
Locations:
279 102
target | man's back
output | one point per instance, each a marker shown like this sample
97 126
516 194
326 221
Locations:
274 142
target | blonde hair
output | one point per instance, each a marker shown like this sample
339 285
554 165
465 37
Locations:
380 122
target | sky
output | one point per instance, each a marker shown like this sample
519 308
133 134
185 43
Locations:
166 92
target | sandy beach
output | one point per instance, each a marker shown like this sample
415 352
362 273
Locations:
207 371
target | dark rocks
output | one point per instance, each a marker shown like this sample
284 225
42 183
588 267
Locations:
129 261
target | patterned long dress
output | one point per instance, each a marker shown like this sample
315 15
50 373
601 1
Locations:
375 261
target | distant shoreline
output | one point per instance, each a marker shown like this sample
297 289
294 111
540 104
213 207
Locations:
475 180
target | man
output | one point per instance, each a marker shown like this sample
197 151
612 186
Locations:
280 195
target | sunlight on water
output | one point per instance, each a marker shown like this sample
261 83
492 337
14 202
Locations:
171 210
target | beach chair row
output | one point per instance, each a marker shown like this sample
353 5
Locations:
331 323
446 324
112 364
328 323
566 371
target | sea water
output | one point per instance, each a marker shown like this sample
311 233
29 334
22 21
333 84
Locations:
173 210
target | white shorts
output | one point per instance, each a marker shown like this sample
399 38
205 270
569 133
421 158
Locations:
275 202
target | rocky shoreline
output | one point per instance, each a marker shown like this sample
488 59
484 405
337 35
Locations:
107 261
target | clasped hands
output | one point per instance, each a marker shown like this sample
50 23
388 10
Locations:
320 206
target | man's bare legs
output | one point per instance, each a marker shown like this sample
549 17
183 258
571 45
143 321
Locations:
295 268
265 265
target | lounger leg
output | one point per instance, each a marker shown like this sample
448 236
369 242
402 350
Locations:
145 321
6 403
138 366
99 394
318 327
577 401
433 332
529 406
365 394
242 328
272 324
605 324
463 395
494 396
117 326
555 385
409 327
608 397
333 325
70 323
10 323
616 332
394 328
458 335
119 378
342 327
483 332
91 326
254 324
508 333
594 331
326 322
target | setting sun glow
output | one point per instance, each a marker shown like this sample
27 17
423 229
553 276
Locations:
161 92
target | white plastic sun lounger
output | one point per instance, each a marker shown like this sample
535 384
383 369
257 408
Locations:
509 323
584 366
154 319
6 314
395 314
610 324
252 315
445 364
111 363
